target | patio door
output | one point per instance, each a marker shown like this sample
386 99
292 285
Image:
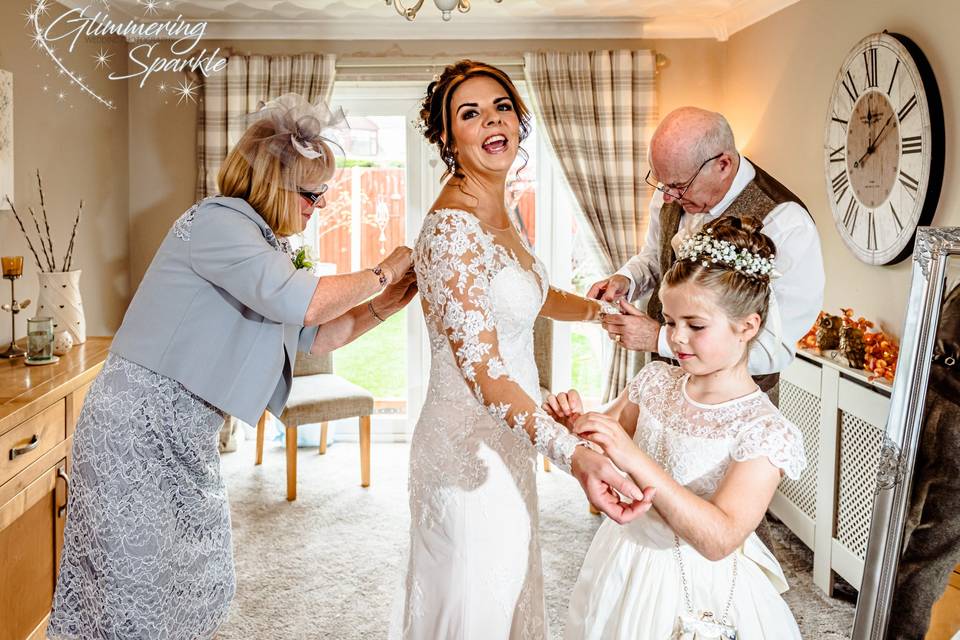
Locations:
376 202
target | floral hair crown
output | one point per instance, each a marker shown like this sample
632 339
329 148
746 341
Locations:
707 250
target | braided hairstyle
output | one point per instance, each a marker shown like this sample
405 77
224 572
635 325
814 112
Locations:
435 115
738 293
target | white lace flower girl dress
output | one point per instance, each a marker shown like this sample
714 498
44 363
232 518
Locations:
631 584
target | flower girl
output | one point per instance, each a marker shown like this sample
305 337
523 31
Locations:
714 448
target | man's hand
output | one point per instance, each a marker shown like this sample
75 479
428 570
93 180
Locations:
632 328
611 289
565 408
601 482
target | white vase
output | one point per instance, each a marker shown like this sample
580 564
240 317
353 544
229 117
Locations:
60 299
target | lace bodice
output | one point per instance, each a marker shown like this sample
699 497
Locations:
701 441
481 297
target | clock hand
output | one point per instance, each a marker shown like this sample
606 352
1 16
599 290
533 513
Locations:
882 131
872 146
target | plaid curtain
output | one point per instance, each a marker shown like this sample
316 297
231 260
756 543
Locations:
239 89
598 110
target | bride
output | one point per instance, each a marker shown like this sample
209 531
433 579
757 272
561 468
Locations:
474 557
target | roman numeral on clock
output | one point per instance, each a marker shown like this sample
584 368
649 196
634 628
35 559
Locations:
871 232
839 120
840 185
907 108
850 217
870 66
912 144
837 155
851 87
896 218
893 77
910 183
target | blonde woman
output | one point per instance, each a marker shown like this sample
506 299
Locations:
147 549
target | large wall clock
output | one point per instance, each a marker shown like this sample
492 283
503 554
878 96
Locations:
883 147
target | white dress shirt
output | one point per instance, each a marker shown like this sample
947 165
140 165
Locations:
798 291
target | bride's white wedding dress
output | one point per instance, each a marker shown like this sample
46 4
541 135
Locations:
474 568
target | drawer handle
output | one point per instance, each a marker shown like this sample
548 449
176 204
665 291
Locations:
61 475
25 449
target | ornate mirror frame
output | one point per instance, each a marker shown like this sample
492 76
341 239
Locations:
931 253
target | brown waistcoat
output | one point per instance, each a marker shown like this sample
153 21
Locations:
761 196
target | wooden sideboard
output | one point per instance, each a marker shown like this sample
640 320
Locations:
39 406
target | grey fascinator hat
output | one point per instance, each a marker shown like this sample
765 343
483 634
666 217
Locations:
295 129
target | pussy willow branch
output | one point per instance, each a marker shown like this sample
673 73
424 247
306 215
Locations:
24 231
68 259
42 246
43 208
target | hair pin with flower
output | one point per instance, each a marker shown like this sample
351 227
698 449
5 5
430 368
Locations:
707 250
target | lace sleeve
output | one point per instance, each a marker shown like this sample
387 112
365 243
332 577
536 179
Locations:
776 438
456 263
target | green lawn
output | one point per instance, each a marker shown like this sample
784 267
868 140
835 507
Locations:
586 374
378 361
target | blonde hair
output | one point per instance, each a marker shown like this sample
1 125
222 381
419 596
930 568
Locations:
267 180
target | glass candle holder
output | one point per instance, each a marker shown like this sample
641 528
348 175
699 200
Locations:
39 339
12 266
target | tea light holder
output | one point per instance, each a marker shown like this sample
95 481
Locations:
13 269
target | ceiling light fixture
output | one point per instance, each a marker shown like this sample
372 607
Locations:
446 7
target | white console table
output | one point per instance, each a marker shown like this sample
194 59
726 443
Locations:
843 416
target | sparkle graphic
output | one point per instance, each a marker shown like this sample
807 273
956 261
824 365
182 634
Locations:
103 59
150 7
186 90
41 8
61 96
163 87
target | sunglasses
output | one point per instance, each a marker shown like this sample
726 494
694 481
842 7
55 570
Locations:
313 197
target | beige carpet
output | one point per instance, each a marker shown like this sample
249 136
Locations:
326 566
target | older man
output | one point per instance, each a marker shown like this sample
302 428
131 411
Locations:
699 176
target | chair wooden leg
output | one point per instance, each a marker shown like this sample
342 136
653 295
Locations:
261 427
364 451
291 445
323 437
546 464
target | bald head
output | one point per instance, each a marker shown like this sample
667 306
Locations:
686 137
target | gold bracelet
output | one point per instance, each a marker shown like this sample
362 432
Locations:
374 313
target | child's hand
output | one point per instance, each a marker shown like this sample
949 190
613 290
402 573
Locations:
565 408
606 433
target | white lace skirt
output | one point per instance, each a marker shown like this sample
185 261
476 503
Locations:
630 587
147 549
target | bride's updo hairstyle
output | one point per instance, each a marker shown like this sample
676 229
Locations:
435 112
738 273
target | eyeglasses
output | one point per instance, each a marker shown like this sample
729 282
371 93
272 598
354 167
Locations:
677 192
313 197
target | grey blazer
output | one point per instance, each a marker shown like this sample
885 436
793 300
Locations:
220 310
